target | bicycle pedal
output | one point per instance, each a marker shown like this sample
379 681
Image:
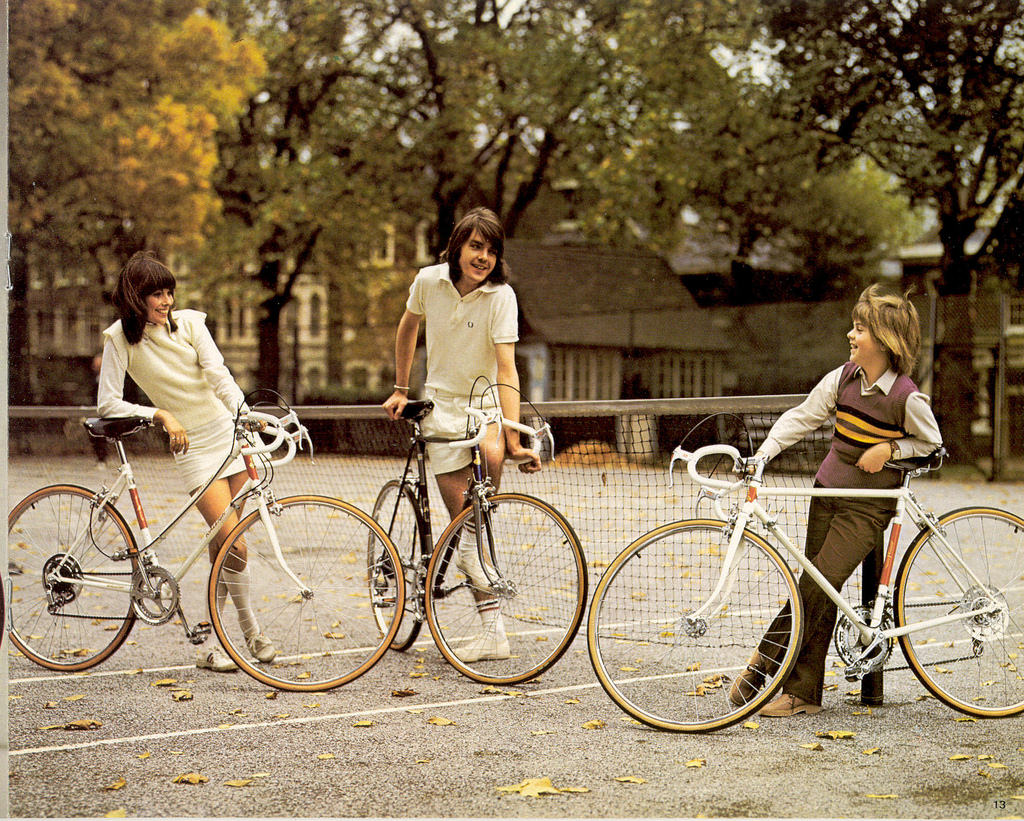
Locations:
200 633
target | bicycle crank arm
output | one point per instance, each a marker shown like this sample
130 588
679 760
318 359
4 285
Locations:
199 633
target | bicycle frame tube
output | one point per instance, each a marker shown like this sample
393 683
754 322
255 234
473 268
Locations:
905 498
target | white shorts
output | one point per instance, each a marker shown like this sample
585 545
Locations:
208 446
449 419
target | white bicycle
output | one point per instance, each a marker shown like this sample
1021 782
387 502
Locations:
80 579
677 613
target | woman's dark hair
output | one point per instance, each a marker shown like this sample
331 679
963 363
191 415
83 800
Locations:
487 223
141 276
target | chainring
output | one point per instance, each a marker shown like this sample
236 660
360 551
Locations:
161 605
848 645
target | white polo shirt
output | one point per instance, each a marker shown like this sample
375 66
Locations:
462 331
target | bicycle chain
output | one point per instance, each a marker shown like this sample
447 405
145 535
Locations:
86 616
940 661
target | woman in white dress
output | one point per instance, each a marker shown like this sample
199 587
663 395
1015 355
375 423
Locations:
174 360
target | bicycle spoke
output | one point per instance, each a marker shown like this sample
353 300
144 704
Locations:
512 621
323 628
666 651
63 624
974 664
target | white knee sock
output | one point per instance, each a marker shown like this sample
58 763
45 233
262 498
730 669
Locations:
237 583
467 557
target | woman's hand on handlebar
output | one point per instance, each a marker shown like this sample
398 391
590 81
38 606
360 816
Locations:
176 436
395 403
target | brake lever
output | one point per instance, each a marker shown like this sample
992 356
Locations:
678 455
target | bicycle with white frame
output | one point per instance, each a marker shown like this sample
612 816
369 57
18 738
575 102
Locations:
679 611
83 578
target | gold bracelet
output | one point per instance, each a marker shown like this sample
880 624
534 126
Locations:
402 388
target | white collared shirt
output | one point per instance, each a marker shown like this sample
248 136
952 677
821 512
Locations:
462 330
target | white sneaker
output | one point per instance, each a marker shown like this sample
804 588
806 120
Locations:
261 647
485 647
491 644
214 659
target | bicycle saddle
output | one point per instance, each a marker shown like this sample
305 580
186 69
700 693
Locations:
115 428
417 409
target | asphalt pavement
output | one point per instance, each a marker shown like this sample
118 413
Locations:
118 740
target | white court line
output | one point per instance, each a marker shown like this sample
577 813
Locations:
107 742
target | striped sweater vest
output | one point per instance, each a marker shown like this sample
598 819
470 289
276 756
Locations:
863 421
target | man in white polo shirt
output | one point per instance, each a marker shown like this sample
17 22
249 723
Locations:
471 318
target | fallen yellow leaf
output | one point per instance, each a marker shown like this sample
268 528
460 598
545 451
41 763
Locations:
78 697
181 695
595 724
631 779
751 725
164 682
531 787
814 745
190 778
961 757
834 734
271 696
238 782
440 722
694 763
116 785
83 724
872 751
886 795
363 723
144 756
326 756
121 812
403 693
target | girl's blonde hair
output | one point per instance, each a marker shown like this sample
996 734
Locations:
892 320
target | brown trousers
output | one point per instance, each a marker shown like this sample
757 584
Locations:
841 533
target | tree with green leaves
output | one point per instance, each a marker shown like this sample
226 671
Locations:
380 110
113 111
933 92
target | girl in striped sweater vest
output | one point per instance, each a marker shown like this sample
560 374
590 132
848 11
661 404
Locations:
880 415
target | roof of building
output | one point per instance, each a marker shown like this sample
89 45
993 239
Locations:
585 295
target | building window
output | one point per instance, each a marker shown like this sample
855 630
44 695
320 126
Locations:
315 311
671 375
585 374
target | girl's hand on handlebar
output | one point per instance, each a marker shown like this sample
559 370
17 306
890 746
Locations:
395 403
176 435
255 425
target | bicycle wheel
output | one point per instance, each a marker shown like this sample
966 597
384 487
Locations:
540 592
974 664
63 625
673 673
395 511
305 569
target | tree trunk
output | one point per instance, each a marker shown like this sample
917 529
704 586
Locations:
19 354
268 368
